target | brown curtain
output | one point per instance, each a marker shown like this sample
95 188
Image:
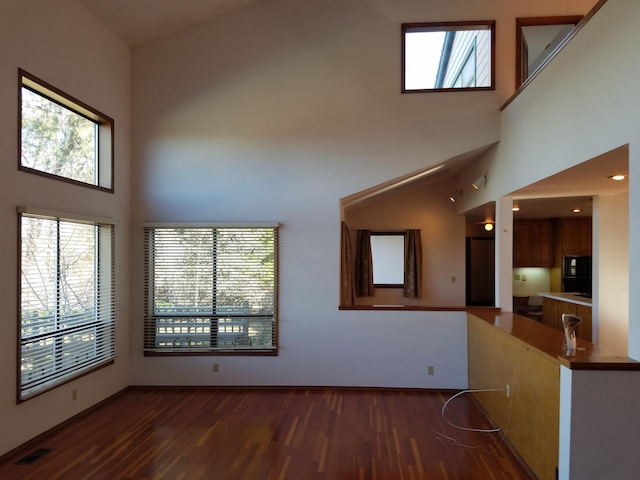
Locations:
412 264
363 265
346 268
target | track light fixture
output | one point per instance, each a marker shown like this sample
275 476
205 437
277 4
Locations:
478 182
455 195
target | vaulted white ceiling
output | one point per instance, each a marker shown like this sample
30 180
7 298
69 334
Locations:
138 21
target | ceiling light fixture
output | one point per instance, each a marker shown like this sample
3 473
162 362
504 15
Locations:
455 195
618 177
515 208
488 226
576 210
478 182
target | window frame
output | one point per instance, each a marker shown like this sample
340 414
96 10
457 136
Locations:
234 318
489 25
104 151
102 319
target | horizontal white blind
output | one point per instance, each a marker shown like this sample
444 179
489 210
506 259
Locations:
67 301
209 289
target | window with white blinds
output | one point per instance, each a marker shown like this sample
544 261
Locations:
211 290
67 319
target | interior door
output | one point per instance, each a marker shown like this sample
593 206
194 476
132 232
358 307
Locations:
480 281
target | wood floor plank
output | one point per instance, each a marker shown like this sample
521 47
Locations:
272 434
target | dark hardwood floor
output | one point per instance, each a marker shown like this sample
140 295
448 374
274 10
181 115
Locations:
275 434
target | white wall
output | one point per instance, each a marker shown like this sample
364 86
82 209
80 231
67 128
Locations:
273 113
634 255
360 349
530 281
599 424
59 42
612 273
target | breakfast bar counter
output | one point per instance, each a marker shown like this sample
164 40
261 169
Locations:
551 342
520 361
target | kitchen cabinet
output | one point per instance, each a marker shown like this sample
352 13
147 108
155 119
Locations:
583 330
576 236
533 243
553 309
550 312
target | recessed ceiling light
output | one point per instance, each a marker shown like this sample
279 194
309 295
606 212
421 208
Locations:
618 177
576 210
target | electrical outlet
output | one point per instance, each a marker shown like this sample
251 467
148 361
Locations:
508 390
216 368
430 370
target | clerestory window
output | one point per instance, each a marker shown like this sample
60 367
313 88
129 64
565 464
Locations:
66 301
448 56
211 290
63 138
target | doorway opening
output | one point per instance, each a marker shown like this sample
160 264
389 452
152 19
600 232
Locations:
536 39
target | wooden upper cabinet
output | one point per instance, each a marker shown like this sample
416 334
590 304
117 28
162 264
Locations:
522 243
533 243
544 237
576 236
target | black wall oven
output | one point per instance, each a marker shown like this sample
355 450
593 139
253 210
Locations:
576 275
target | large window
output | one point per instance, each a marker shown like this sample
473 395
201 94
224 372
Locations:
60 137
211 290
67 318
448 56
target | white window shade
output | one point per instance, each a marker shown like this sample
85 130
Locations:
387 253
67 319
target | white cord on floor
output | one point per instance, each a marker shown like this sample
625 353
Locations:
452 441
481 430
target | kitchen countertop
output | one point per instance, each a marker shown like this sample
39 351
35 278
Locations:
552 342
567 297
